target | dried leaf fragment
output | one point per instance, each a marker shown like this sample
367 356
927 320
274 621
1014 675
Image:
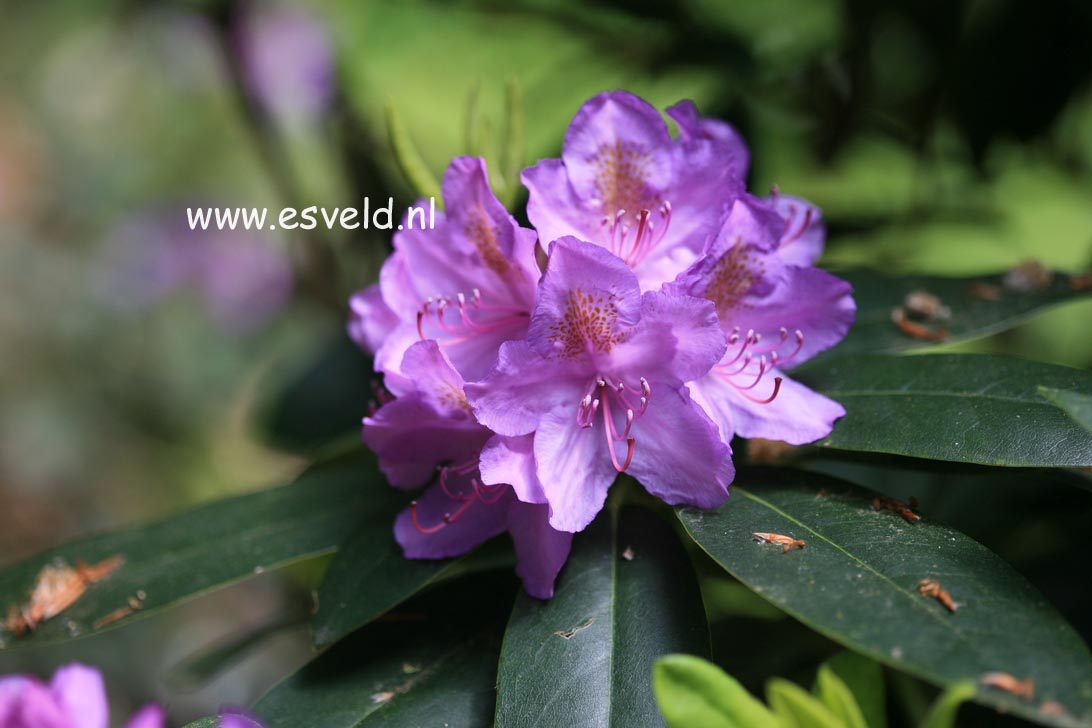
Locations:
883 502
788 542
1004 681
568 634
926 305
985 291
914 329
57 588
1030 275
932 588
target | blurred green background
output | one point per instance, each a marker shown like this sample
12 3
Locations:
142 364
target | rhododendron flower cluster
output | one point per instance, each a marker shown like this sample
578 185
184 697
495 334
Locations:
670 304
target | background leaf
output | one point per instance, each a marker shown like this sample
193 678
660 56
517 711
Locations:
959 407
627 595
856 582
211 546
972 316
943 712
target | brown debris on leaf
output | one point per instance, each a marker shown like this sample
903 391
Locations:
883 502
132 604
1053 707
1027 277
932 588
915 329
768 452
925 305
1081 282
985 291
787 542
1004 681
568 634
57 588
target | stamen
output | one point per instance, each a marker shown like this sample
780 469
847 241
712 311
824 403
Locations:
771 398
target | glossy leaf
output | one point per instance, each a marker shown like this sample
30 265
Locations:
695 692
1075 404
973 313
856 582
211 546
431 663
627 596
959 407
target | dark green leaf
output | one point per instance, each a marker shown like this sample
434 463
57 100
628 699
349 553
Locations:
856 582
972 316
369 575
322 403
431 663
627 596
967 408
211 546
1076 405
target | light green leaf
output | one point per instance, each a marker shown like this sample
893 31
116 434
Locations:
409 159
796 708
944 710
695 692
836 696
864 678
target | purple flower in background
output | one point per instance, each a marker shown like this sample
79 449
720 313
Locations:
74 698
599 384
468 283
243 277
428 435
287 60
774 313
623 183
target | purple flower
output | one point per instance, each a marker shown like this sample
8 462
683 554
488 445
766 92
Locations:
74 698
469 283
232 717
803 236
287 61
599 384
623 183
775 313
428 435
